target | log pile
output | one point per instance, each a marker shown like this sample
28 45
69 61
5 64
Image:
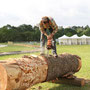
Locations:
22 73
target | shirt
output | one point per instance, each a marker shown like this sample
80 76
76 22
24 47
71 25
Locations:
49 25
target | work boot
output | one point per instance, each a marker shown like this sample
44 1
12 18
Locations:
25 56
42 53
55 55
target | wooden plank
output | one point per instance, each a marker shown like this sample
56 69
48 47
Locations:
75 81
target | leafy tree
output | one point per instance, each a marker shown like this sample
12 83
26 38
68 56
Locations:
69 31
24 27
79 31
60 32
87 32
28 33
86 27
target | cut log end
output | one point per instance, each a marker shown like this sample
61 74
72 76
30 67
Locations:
3 78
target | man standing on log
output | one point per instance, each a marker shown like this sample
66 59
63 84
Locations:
48 28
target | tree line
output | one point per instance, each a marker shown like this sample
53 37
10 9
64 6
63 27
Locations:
29 33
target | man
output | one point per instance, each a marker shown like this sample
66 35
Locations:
48 25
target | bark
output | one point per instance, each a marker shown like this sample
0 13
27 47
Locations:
22 73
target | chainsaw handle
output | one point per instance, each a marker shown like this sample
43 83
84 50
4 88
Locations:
50 44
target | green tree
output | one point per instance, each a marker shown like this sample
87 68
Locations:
69 31
87 32
80 31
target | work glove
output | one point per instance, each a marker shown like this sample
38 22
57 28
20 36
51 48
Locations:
49 37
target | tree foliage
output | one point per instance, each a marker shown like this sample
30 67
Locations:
29 33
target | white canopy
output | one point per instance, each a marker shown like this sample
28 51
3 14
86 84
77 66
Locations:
75 36
63 37
74 40
84 36
72 37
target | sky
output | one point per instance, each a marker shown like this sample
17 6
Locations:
65 12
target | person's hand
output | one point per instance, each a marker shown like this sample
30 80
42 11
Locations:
49 37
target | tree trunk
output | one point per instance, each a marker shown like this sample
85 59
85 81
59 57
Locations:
22 73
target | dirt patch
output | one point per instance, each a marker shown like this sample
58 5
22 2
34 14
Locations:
28 45
18 52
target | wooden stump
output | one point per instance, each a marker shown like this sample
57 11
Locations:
21 73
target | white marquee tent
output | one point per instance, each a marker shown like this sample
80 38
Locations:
74 40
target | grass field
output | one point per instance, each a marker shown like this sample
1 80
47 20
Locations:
10 48
81 50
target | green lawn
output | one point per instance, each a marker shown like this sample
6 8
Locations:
81 50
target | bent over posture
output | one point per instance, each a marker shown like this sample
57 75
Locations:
48 28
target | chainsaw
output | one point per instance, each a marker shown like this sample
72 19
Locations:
50 45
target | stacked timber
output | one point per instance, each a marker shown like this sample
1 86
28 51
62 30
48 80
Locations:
22 73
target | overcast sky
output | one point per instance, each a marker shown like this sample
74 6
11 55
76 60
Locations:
65 12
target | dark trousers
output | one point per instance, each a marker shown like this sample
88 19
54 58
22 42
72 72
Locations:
42 42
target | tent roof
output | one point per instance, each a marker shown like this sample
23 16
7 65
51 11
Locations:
74 36
64 36
84 36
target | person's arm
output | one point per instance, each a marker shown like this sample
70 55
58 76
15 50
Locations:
42 29
55 28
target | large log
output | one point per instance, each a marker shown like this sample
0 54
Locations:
21 73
